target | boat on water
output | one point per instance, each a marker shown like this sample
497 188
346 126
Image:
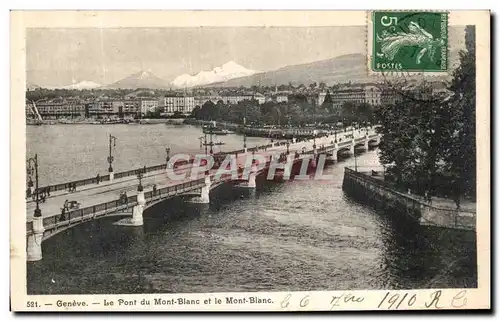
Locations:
174 123
216 131
34 122
114 121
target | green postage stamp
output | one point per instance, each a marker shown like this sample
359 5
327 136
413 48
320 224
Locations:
409 41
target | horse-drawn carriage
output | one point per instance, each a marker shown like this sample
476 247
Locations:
71 205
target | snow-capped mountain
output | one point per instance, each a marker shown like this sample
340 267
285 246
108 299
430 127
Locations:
227 71
142 79
85 84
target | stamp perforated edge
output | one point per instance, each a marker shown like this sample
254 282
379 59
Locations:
402 74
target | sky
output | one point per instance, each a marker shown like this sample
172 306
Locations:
59 57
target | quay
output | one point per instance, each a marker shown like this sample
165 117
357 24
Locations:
148 186
276 133
370 187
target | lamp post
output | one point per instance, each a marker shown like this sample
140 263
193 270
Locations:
245 132
355 161
168 154
32 166
354 151
211 143
287 147
112 141
139 177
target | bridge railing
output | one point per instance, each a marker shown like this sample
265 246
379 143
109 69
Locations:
86 212
118 175
148 169
132 172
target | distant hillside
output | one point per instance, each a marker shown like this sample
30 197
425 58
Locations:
30 86
337 70
85 84
143 79
342 69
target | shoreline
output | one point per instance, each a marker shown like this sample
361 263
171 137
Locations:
144 121
364 188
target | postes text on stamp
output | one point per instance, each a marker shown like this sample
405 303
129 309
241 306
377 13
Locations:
410 41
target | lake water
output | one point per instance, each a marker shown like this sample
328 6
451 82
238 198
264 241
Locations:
290 235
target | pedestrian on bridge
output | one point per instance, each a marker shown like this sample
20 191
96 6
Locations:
63 214
98 178
123 197
154 190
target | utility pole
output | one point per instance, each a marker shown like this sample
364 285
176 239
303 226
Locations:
211 143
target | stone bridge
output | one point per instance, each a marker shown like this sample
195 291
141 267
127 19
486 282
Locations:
106 198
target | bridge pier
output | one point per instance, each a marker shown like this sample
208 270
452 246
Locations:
375 142
332 157
137 211
204 197
315 157
251 183
351 148
34 242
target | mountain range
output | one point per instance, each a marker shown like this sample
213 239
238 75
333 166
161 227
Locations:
342 69
227 71
85 84
142 79
352 67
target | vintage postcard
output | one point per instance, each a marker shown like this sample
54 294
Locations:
250 160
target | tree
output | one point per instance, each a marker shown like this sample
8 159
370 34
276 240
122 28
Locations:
347 112
364 112
412 137
195 113
208 111
429 139
461 154
328 102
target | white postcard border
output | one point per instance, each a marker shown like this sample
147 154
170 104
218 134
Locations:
318 300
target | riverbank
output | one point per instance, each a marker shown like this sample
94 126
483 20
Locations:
89 121
371 188
262 241
271 132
